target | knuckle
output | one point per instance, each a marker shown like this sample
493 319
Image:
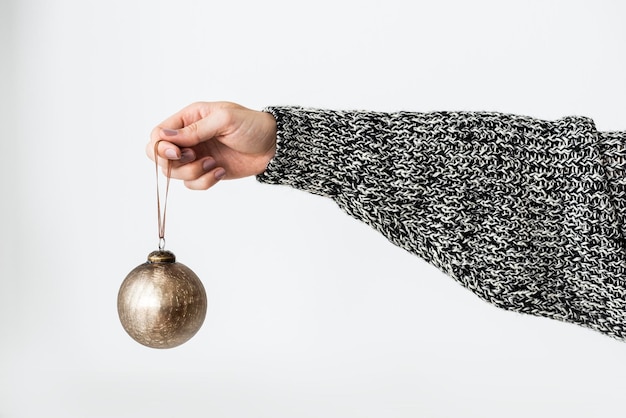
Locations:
224 116
193 131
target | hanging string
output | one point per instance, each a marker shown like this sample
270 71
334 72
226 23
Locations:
161 218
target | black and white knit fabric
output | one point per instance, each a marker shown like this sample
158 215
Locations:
528 214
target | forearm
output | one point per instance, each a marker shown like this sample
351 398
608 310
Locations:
518 210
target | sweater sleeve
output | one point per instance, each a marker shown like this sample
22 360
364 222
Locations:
525 213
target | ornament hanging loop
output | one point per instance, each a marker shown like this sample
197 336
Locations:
161 217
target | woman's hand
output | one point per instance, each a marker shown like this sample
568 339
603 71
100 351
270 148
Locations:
207 142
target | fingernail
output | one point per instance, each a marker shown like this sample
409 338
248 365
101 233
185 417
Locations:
220 173
171 154
186 156
169 132
208 165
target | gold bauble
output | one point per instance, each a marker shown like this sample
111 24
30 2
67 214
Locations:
161 303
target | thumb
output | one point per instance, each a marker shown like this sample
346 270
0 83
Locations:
196 132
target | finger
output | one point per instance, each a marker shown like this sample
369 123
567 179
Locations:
165 150
187 155
192 125
170 151
199 131
206 181
188 115
193 170
178 120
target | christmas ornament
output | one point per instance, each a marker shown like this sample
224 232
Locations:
161 303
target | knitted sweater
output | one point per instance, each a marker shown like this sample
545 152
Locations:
528 214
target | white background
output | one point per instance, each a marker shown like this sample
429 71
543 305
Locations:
312 314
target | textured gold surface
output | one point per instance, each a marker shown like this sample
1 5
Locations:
162 304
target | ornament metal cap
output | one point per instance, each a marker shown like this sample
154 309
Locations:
161 256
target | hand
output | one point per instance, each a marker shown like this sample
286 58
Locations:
207 142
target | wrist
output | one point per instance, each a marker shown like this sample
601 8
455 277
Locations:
268 140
